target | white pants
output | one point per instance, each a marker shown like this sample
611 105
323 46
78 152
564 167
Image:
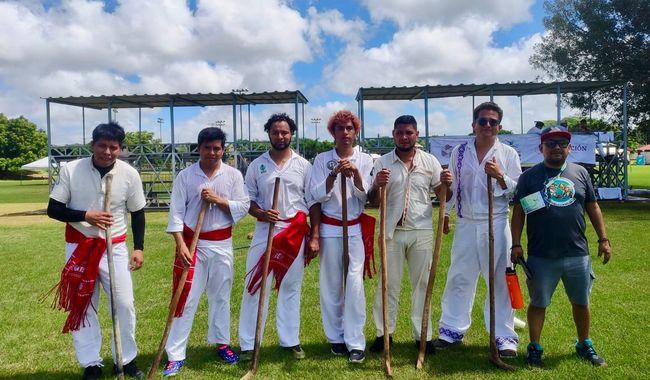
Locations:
213 273
414 247
469 256
287 314
88 340
344 315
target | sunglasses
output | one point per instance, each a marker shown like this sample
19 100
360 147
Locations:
553 143
483 121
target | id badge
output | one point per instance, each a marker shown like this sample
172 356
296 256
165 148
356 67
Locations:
532 202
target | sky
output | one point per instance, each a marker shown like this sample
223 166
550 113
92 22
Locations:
326 49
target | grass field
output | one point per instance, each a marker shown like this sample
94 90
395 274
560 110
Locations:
31 345
639 176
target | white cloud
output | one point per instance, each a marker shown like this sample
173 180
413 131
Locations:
446 12
333 23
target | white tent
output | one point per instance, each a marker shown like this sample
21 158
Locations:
38 165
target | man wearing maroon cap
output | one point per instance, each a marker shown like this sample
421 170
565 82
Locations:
553 196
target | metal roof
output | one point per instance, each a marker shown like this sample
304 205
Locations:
181 100
494 89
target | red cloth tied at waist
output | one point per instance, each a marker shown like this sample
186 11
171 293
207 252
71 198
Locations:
75 288
284 250
367 236
188 235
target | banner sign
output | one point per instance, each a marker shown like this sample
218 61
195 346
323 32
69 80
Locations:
582 147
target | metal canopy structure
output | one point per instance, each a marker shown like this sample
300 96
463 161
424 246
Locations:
161 159
618 169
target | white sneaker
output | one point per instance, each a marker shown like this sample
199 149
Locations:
519 324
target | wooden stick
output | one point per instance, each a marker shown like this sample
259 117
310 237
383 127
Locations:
265 272
117 338
494 352
344 222
432 278
177 294
384 278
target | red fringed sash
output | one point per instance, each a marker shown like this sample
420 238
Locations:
188 234
75 288
284 250
367 236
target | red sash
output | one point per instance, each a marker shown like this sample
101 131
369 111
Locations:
367 236
188 234
75 288
284 250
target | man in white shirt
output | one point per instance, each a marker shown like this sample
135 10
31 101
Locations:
343 313
291 228
78 200
211 266
409 175
469 164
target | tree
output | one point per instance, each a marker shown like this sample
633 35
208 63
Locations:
21 142
599 40
132 138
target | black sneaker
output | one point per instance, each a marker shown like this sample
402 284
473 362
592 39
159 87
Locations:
92 372
378 344
534 356
442 344
507 354
131 370
430 348
586 351
339 349
297 352
357 356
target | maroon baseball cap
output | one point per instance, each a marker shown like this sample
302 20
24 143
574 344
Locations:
551 132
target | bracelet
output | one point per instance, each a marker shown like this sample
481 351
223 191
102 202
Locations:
515 246
333 174
603 240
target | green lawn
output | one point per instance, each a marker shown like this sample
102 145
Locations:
31 345
26 191
639 176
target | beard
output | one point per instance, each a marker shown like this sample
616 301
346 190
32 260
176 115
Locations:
556 161
281 146
405 149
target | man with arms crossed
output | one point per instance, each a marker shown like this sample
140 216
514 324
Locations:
343 313
409 175
78 200
469 164
287 257
554 195
211 266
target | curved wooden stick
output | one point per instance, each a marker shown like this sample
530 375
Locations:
494 352
177 295
384 278
117 338
432 278
265 272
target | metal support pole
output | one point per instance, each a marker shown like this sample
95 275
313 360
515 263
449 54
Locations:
297 134
250 140
426 118
521 113
140 129
49 144
362 116
491 94
625 125
303 119
473 107
559 104
234 128
173 139
110 111
83 125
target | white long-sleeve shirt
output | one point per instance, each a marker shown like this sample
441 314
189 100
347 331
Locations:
185 205
293 194
470 184
331 201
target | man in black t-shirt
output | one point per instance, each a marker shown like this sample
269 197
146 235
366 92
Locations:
554 196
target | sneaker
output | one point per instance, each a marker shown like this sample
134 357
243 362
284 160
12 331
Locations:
339 349
534 355
429 347
519 324
357 356
131 370
245 356
442 344
92 372
586 351
378 344
173 367
507 354
297 352
227 355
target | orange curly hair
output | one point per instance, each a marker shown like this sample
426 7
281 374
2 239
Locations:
343 117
